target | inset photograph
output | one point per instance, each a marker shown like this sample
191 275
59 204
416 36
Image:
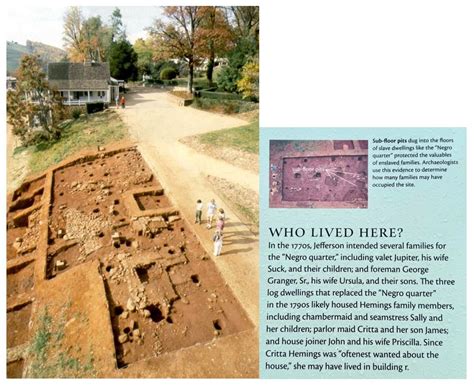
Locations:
318 173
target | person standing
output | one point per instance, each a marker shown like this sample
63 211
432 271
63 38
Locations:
220 225
211 212
217 238
122 101
198 211
117 101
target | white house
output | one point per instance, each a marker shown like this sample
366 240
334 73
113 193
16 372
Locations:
81 83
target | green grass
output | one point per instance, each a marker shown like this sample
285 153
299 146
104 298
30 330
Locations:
197 82
88 131
48 361
224 106
243 138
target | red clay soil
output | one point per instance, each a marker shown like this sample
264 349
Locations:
121 255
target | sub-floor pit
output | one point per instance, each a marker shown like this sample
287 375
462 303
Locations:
325 173
17 325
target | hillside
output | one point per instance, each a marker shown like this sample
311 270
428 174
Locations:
15 51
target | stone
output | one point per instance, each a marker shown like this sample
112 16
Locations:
101 148
123 338
116 236
173 218
124 315
19 239
133 324
135 244
60 265
131 305
146 313
62 207
136 333
74 184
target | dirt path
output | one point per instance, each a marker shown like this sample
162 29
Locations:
157 124
17 164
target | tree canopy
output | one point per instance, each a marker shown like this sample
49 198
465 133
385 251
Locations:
34 110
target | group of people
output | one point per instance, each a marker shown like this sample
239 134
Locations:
212 214
119 100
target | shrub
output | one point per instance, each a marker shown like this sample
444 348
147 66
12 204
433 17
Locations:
76 113
168 73
227 79
249 82
209 94
224 106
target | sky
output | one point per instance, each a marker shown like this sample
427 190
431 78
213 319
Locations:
45 24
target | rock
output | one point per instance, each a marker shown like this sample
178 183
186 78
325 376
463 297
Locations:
124 315
60 265
136 333
19 239
62 207
173 218
101 148
17 245
146 313
123 338
133 324
116 236
74 184
130 305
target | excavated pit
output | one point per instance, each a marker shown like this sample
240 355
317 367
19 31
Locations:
17 325
326 174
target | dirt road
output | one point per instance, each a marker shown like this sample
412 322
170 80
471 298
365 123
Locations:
157 124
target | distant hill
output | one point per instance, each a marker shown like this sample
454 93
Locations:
46 52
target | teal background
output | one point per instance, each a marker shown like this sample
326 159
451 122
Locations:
430 212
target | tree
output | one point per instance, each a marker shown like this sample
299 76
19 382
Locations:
96 39
248 85
34 110
85 39
144 53
116 25
245 27
216 37
123 60
244 51
246 22
178 37
72 34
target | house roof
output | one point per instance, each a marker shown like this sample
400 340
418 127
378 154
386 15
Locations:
79 76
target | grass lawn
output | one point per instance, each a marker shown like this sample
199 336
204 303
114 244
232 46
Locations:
243 138
197 82
86 132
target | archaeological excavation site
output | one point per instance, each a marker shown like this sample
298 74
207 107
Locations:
318 173
106 278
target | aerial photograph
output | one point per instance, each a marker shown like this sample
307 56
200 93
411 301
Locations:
132 192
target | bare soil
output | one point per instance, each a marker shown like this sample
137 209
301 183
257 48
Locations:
17 326
163 292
